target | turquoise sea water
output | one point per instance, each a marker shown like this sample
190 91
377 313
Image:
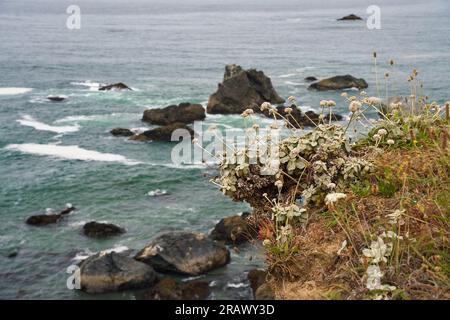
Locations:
170 52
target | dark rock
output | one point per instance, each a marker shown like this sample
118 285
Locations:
350 17
170 289
184 253
109 272
240 90
56 98
311 79
13 254
115 87
67 210
339 83
233 230
163 133
121 132
257 278
184 113
43 219
95 229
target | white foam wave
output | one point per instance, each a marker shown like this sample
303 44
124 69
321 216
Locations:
156 192
69 152
13 91
31 122
289 75
93 86
292 83
237 285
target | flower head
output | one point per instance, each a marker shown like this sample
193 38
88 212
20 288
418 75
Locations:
265 106
354 106
332 198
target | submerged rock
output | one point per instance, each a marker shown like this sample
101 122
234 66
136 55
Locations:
122 132
339 83
184 253
95 229
115 87
184 113
163 133
109 272
242 89
350 17
170 289
233 230
57 98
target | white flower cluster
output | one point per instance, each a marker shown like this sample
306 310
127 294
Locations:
378 253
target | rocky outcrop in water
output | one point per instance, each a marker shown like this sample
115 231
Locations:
115 87
350 17
163 133
339 83
121 132
233 230
242 89
170 289
51 218
109 272
184 113
43 219
95 229
311 79
56 98
184 253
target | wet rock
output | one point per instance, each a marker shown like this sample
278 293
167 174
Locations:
69 208
339 83
242 89
43 219
233 230
109 272
57 98
170 289
95 229
163 133
184 253
115 87
350 17
184 113
122 132
310 79
257 278
50 218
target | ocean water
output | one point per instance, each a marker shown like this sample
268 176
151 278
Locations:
169 52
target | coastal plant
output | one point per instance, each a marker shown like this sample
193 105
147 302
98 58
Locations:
378 202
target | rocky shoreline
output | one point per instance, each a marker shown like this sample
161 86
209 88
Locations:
182 252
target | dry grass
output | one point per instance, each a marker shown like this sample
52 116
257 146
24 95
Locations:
416 180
